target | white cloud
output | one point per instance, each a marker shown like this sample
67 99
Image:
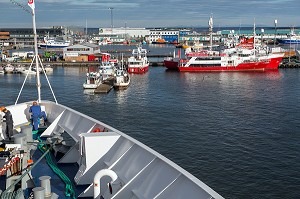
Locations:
145 13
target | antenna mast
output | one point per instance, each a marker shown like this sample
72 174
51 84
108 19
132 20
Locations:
210 23
38 81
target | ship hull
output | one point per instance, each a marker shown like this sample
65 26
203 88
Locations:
52 46
138 70
288 41
272 64
121 86
171 64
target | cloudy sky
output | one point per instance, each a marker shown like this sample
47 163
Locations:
151 13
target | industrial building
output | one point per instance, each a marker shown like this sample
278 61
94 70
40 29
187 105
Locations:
23 37
120 35
81 52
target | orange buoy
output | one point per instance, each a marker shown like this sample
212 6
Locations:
96 130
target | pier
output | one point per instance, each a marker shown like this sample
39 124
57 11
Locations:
76 64
106 86
290 65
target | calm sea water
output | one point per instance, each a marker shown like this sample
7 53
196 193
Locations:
237 132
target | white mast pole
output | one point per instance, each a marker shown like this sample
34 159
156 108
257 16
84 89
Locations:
210 23
254 34
31 4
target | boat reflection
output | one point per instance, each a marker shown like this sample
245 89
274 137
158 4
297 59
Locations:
122 96
89 91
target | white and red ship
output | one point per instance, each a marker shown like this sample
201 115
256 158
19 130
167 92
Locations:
246 56
235 62
138 62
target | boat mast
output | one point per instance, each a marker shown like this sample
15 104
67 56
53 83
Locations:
38 81
254 33
210 23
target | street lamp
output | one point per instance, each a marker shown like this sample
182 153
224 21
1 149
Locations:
275 23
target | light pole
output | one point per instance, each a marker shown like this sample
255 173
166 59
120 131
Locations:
125 31
111 19
275 23
112 25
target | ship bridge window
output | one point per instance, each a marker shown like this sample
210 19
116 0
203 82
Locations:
208 58
205 65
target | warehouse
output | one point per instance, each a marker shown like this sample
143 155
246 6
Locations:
81 52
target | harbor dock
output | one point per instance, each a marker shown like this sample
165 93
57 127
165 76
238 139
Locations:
106 86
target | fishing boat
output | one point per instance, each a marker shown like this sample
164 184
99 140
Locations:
28 71
90 157
93 80
9 68
122 78
107 70
292 38
1 70
138 62
19 68
172 63
48 68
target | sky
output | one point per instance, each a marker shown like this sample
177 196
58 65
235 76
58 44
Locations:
151 13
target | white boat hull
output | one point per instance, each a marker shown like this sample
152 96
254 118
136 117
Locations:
29 72
141 171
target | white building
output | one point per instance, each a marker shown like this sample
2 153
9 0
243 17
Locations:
80 52
163 36
119 35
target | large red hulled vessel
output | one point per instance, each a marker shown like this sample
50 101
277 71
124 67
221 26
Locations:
235 62
246 56
138 62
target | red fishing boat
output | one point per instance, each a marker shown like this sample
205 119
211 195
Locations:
138 62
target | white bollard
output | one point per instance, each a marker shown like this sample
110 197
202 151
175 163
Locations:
38 193
45 183
98 176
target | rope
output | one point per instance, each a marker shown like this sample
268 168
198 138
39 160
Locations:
70 192
13 195
48 80
24 81
25 173
9 165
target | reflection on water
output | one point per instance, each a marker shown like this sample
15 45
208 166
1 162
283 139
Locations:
237 132
122 96
89 91
75 71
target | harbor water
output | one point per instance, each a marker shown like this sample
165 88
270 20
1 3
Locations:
238 132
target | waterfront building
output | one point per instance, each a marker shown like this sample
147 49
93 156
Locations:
265 34
199 37
4 38
120 35
81 52
23 37
164 35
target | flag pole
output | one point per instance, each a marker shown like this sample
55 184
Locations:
38 81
